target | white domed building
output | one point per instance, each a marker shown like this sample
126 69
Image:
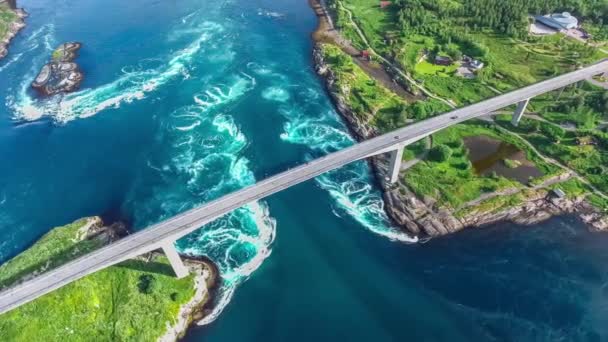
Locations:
558 21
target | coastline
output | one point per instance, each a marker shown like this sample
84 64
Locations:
418 216
14 28
205 281
147 283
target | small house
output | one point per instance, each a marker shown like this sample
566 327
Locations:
476 64
443 60
558 193
586 140
366 55
385 4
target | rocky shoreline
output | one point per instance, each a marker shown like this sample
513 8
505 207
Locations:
14 28
420 217
205 281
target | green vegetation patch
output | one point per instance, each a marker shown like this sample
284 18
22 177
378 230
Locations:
427 68
452 180
494 32
497 203
586 152
512 164
583 106
55 248
131 301
369 100
448 175
7 16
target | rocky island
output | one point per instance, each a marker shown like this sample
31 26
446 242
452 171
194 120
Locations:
136 299
11 22
442 188
61 74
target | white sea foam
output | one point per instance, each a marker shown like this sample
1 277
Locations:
133 84
206 160
276 94
350 186
11 61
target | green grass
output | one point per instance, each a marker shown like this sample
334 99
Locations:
573 188
510 63
427 68
598 202
579 105
370 101
376 23
462 91
590 161
512 164
496 204
110 305
57 54
454 182
53 249
7 16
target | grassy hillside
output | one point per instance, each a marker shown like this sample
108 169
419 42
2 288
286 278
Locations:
134 300
7 16
511 60
371 102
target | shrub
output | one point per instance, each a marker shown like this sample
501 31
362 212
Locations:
440 153
147 283
512 164
555 133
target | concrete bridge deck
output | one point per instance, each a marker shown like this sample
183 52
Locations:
159 235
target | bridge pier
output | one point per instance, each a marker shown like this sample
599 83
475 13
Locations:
175 260
395 164
519 112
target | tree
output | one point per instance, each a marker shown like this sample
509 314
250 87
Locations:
147 284
455 54
555 133
440 153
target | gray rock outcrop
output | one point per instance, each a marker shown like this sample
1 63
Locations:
61 74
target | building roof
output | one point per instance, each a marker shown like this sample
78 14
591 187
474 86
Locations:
559 193
477 64
558 21
384 4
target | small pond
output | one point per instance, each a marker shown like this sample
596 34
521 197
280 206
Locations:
488 155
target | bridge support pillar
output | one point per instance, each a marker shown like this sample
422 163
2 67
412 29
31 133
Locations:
395 165
175 260
519 112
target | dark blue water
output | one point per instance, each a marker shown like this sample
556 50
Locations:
186 101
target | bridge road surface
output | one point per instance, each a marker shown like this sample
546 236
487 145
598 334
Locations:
180 225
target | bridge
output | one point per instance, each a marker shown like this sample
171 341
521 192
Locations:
163 235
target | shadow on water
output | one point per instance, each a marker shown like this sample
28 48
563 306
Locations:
490 155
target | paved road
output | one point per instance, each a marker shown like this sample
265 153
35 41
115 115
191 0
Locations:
172 229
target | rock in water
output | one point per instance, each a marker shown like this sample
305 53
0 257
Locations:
61 74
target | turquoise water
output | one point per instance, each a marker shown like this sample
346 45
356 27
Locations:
186 101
